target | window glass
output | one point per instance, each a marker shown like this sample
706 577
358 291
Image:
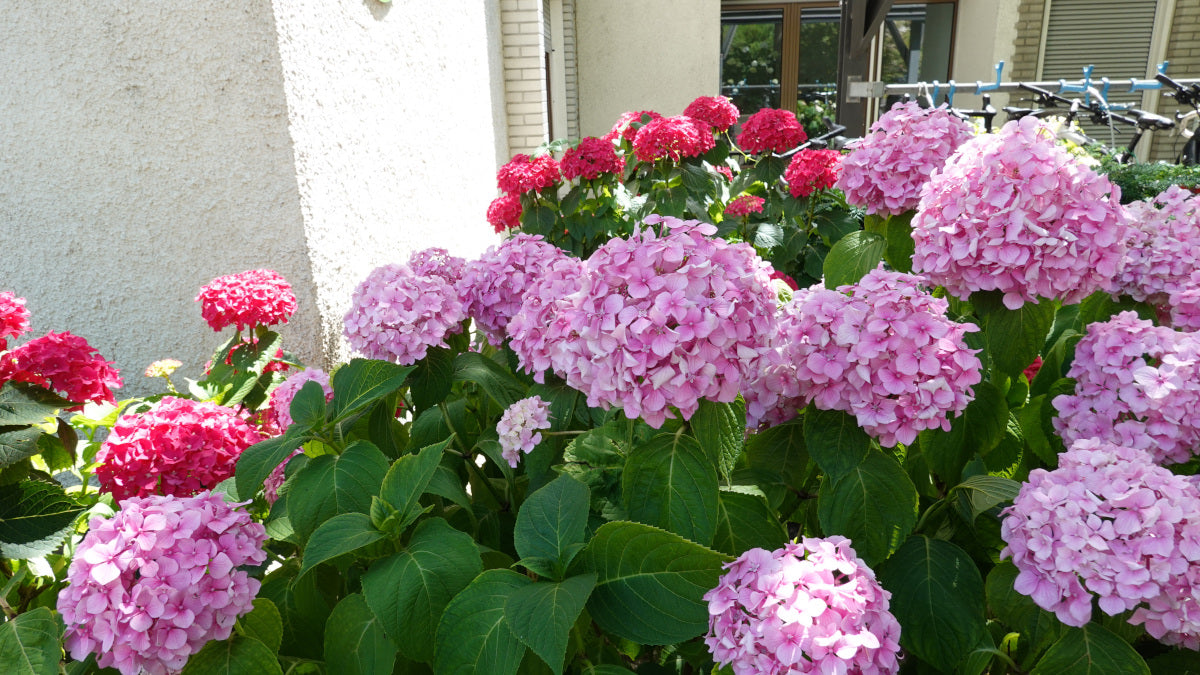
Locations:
751 54
816 87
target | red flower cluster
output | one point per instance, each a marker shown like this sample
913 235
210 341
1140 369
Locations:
64 363
812 170
179 447
591 158
717 111
524 173
744 206
624 128
771 130
504 213
251 298
14 318
672 137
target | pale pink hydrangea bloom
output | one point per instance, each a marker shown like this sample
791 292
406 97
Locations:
1109 524
882 350
1164 246
1184 305
493 287
1137 385
810 607
275 480
1015 212
155 583
661 322
281 397
437 262
886 170
520 428
178 447
538 325
397 315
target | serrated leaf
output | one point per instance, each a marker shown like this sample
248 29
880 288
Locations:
874 505
541 615
339 535
937 596
334 484
31 643
720 429
409 590
23 404
650 583
446 484
302 609
670 482
1090 650
308 406
238 655
1014 336
900 244
499 384
979 428
361 382
433 378
781 450
1038 628
263 623
34 518
834 440
551 520
852 257
355 643
472 636
979 493
408 478
744 522
259 460
17 444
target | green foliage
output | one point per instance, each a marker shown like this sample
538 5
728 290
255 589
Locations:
1139 181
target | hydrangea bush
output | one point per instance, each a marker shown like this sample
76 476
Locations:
693 414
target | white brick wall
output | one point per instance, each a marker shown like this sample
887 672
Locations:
524 46
572 72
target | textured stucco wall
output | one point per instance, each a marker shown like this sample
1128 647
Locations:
985 33
636 55
144 151
392 113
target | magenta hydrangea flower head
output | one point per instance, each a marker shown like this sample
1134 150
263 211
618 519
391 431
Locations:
524 173
886 170
177 447
437 262
1137 385
65 364
812 170
1107 524
281 397
592 158
672 138
251 298
809 607
397 315
504 213
744 205
717 112
1164 246
520 428
771 130
538 325
628 124
149 587
493 287
14 318
1015 212
661 322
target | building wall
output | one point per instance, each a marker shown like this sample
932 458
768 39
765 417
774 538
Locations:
572 69
1183 52
636 55
1027 43
524 49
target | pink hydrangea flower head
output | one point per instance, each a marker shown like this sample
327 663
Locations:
251 298
504 213
178 447
882 350
886 170
397 315
809 607
538 325
744 205
437 262
281 397
275 480
520 428
717 112
771 130
628 124
524 173
812 170
65 364
1137 385
672 138
1108 525
152 585
14 318
1015 212
592 158
1184 304
493 287
1164 246
661 322
724 171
